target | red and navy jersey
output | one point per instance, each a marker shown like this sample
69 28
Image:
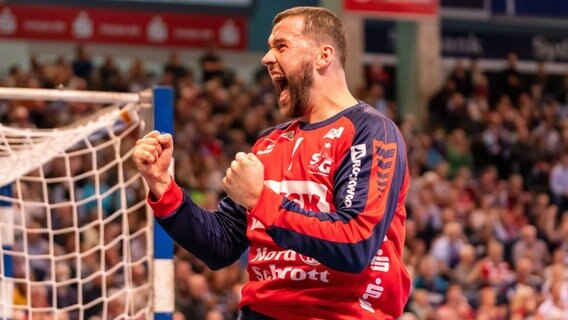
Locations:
327 235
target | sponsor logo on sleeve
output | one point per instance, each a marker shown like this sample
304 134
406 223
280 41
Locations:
385 155
357 152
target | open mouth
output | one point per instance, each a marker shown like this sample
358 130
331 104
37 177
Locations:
281 83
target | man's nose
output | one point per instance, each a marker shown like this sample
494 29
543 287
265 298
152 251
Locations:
268 58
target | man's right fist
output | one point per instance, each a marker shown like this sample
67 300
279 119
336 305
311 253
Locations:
153 155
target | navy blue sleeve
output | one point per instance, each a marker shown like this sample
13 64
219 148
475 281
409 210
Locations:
217 238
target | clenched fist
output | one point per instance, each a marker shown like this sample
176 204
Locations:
244 180
153 155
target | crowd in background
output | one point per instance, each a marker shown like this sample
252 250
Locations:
487 232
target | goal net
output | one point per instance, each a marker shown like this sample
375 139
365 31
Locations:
77 237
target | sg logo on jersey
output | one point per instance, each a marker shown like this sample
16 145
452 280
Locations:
320 164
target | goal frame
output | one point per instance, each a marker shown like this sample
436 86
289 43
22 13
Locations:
161 99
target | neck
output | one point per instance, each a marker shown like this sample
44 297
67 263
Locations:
327 99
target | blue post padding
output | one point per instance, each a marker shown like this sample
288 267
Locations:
7 259
163 122
164 109
163 244
8 266
163 316
7 192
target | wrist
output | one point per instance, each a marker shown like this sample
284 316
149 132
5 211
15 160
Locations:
159 186
253 201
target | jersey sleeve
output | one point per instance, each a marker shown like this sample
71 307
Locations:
369 188
218 238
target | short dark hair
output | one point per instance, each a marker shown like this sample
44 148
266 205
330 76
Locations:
319 24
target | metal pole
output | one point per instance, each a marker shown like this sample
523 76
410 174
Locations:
73 95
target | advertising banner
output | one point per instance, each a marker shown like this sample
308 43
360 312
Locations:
380 38
122 26
404 9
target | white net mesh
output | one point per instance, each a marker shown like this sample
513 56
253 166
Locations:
81 232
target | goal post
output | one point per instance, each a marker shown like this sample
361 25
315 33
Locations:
7 242
163 279
77 239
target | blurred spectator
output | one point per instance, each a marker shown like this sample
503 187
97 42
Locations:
553 307
376 97
524 287
138 77
540 77
495 271
109 76
376 74
511 77
212 65
557 275
458 152
531 247
420 305
462 79
175 66
559 183
446 249
455 306
488 308
466 272
523 303
428 278
438 104
15 77
82 65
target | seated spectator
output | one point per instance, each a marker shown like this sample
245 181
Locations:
553 307
488 308
523 303
458 152
455 306
446 249
420 305
557 277
495 271
428 278
466 272
532 247
559 183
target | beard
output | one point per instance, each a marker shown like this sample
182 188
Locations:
300 82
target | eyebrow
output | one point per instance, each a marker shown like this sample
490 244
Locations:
275 42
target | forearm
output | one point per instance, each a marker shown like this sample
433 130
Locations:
217 238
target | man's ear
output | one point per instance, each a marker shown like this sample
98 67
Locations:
325 56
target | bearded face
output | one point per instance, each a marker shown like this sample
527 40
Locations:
294 90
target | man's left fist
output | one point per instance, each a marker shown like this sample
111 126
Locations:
244 180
